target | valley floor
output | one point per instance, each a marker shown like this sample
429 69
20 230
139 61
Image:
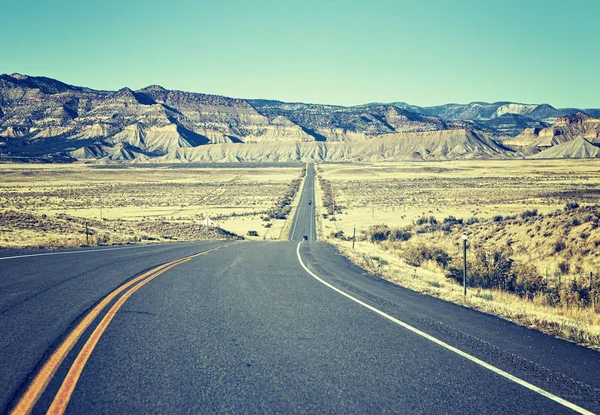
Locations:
53 205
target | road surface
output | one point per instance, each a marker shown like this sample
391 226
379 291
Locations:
304 224
262 327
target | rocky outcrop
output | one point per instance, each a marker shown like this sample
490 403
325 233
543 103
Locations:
336 123
434 145
565 129
478 111
509 125
153 120
575 149
119 152
14 131
501 120
45 118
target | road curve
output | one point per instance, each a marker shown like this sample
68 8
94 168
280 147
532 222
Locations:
269 327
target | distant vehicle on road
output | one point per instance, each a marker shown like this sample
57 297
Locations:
309 202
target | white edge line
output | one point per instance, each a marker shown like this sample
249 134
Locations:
494 369
83 251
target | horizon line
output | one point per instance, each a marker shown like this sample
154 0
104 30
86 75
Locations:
300 102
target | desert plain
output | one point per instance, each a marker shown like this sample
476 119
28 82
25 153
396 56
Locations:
539 217
48 205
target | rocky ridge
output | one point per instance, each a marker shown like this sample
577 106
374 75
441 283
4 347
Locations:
46 119
565 129
430 145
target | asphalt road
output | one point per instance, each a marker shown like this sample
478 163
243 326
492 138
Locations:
247 329
304 224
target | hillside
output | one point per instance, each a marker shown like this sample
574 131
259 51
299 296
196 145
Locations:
335 123
509 125
433 145
565 129
476 111
48 120
151 121
578 148
499 120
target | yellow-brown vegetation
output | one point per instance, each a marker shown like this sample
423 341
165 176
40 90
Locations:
532 228
48 205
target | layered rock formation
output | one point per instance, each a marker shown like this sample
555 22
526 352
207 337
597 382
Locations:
477 111
565 129
432 145
575 149
42 118
509 125
152 120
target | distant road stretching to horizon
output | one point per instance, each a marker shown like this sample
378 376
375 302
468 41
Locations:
262 327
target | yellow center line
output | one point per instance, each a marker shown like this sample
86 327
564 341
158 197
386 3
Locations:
38 385
62 398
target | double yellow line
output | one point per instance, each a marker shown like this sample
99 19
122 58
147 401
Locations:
37 387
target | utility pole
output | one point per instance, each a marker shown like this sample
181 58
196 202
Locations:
354 240
464 238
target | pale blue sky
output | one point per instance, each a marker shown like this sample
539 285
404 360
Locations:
340 52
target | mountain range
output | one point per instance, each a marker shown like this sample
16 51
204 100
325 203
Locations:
45 119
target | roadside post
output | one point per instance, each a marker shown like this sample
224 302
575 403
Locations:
464 238
87 235
354 237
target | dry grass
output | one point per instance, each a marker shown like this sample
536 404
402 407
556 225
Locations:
581 326
284 233
399 194
137 203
